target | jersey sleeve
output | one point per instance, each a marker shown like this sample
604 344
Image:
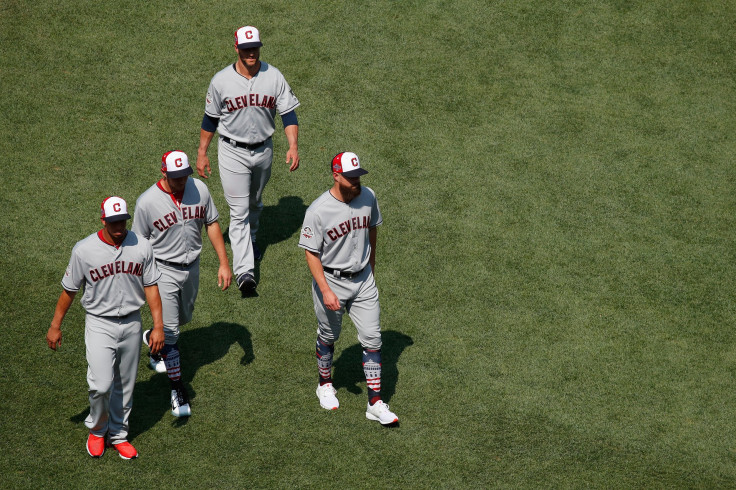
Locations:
74 276
212 214
286 101
310 237
213 101
151 274
140 226
376 218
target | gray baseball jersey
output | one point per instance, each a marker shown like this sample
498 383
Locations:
246 108
113 277
338 231
175 228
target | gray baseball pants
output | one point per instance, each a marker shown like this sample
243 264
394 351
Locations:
113 351
178 288
359 298
244 174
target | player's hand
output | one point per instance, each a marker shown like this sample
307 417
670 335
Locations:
156 340
330 300
292 156
203 165
53 337
224 277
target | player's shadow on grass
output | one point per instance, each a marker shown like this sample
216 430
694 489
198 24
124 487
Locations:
277 223
348 368
199 347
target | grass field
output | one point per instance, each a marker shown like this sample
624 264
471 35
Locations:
556 264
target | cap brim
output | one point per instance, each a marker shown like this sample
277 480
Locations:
256 44
355 173
180 173
117 217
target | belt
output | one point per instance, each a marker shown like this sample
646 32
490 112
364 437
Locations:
117 317
172 264
338 273
247 146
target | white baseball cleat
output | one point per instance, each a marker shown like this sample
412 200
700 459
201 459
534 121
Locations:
157 365
380 413
180 403
327 399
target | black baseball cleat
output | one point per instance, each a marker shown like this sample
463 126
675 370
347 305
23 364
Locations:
247 283
257 254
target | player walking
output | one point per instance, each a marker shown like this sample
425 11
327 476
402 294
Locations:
118 274
242 101
171 214
339 237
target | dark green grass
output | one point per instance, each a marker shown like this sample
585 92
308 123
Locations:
556 264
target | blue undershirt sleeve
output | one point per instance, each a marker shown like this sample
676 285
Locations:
210 123
289 119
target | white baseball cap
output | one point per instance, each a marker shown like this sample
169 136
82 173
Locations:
348 164
247 37
114 209
176 164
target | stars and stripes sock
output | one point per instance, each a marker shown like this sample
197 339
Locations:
324 361
170 353
372 370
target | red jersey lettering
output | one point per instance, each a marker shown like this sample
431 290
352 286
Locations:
117 267
355 223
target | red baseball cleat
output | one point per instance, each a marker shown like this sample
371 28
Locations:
126 450
95 445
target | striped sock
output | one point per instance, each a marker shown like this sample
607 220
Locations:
372 370
324 361
170 353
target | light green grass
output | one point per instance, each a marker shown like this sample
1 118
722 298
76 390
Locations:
556 263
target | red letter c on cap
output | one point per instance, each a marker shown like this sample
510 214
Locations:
116 207
177 162
249 34
355 162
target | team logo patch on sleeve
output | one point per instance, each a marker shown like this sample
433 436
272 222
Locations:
209 98
307 232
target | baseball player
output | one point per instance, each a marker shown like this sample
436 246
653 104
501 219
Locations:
117 273
241 104
170 215
339 237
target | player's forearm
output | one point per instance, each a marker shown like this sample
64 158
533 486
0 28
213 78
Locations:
373 239
318 273
292 136
205 138
154 304
214 232
62 307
